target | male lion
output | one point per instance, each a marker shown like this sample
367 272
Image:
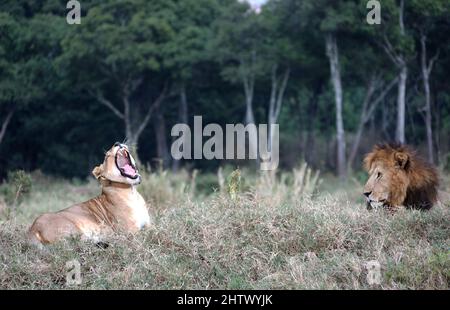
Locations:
118 207
399 177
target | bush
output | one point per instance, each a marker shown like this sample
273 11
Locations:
162 189
207 183
17 187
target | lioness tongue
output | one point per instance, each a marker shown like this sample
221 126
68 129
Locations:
128 169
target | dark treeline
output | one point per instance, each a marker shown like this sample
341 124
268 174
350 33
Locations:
134 68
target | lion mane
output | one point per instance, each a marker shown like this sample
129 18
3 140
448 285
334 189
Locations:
414 182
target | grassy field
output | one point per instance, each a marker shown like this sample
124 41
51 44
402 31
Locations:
234 232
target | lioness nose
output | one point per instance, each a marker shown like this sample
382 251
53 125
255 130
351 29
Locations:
367 194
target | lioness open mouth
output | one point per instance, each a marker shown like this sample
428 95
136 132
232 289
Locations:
125 164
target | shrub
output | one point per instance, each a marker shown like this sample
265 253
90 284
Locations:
18 185
162 189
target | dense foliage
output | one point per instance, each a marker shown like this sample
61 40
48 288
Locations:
133 68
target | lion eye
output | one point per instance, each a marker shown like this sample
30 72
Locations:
378 175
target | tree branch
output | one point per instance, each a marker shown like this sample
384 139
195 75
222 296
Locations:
281 92
371 87
387 46
432 61
380 97
152 107
99 96
400 17
5 125
273 92
134 84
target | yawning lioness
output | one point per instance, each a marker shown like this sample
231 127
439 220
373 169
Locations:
118 208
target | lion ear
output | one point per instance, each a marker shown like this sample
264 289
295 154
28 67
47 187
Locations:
401 159
97 172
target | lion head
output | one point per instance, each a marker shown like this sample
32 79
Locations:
118 166
399 177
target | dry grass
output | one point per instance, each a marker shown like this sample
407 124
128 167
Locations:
265 238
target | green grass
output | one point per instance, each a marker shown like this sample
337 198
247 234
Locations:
266 238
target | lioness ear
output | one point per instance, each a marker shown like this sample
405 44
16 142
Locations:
401 159
97 172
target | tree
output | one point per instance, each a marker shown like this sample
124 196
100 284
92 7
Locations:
427 16
398 45
254 48
280 54
369 105
427 66
65 90
117 56
10 71
333 57
334 21
374 77
238 42
187 50
26 55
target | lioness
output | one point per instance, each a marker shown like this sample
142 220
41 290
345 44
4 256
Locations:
118 207
399 177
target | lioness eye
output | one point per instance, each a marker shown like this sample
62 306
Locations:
378 175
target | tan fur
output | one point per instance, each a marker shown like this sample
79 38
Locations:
118 208
399 177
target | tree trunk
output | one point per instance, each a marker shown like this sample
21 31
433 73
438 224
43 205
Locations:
368 109
401 105
385 133
182 118
5 124
161 138
333 57
134 125
249 116
438 129
131 136
428 120
362 121
401 17
426 71
183 105
276 100
310 120
249 82
400 61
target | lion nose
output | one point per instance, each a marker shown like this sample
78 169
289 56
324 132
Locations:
367 194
